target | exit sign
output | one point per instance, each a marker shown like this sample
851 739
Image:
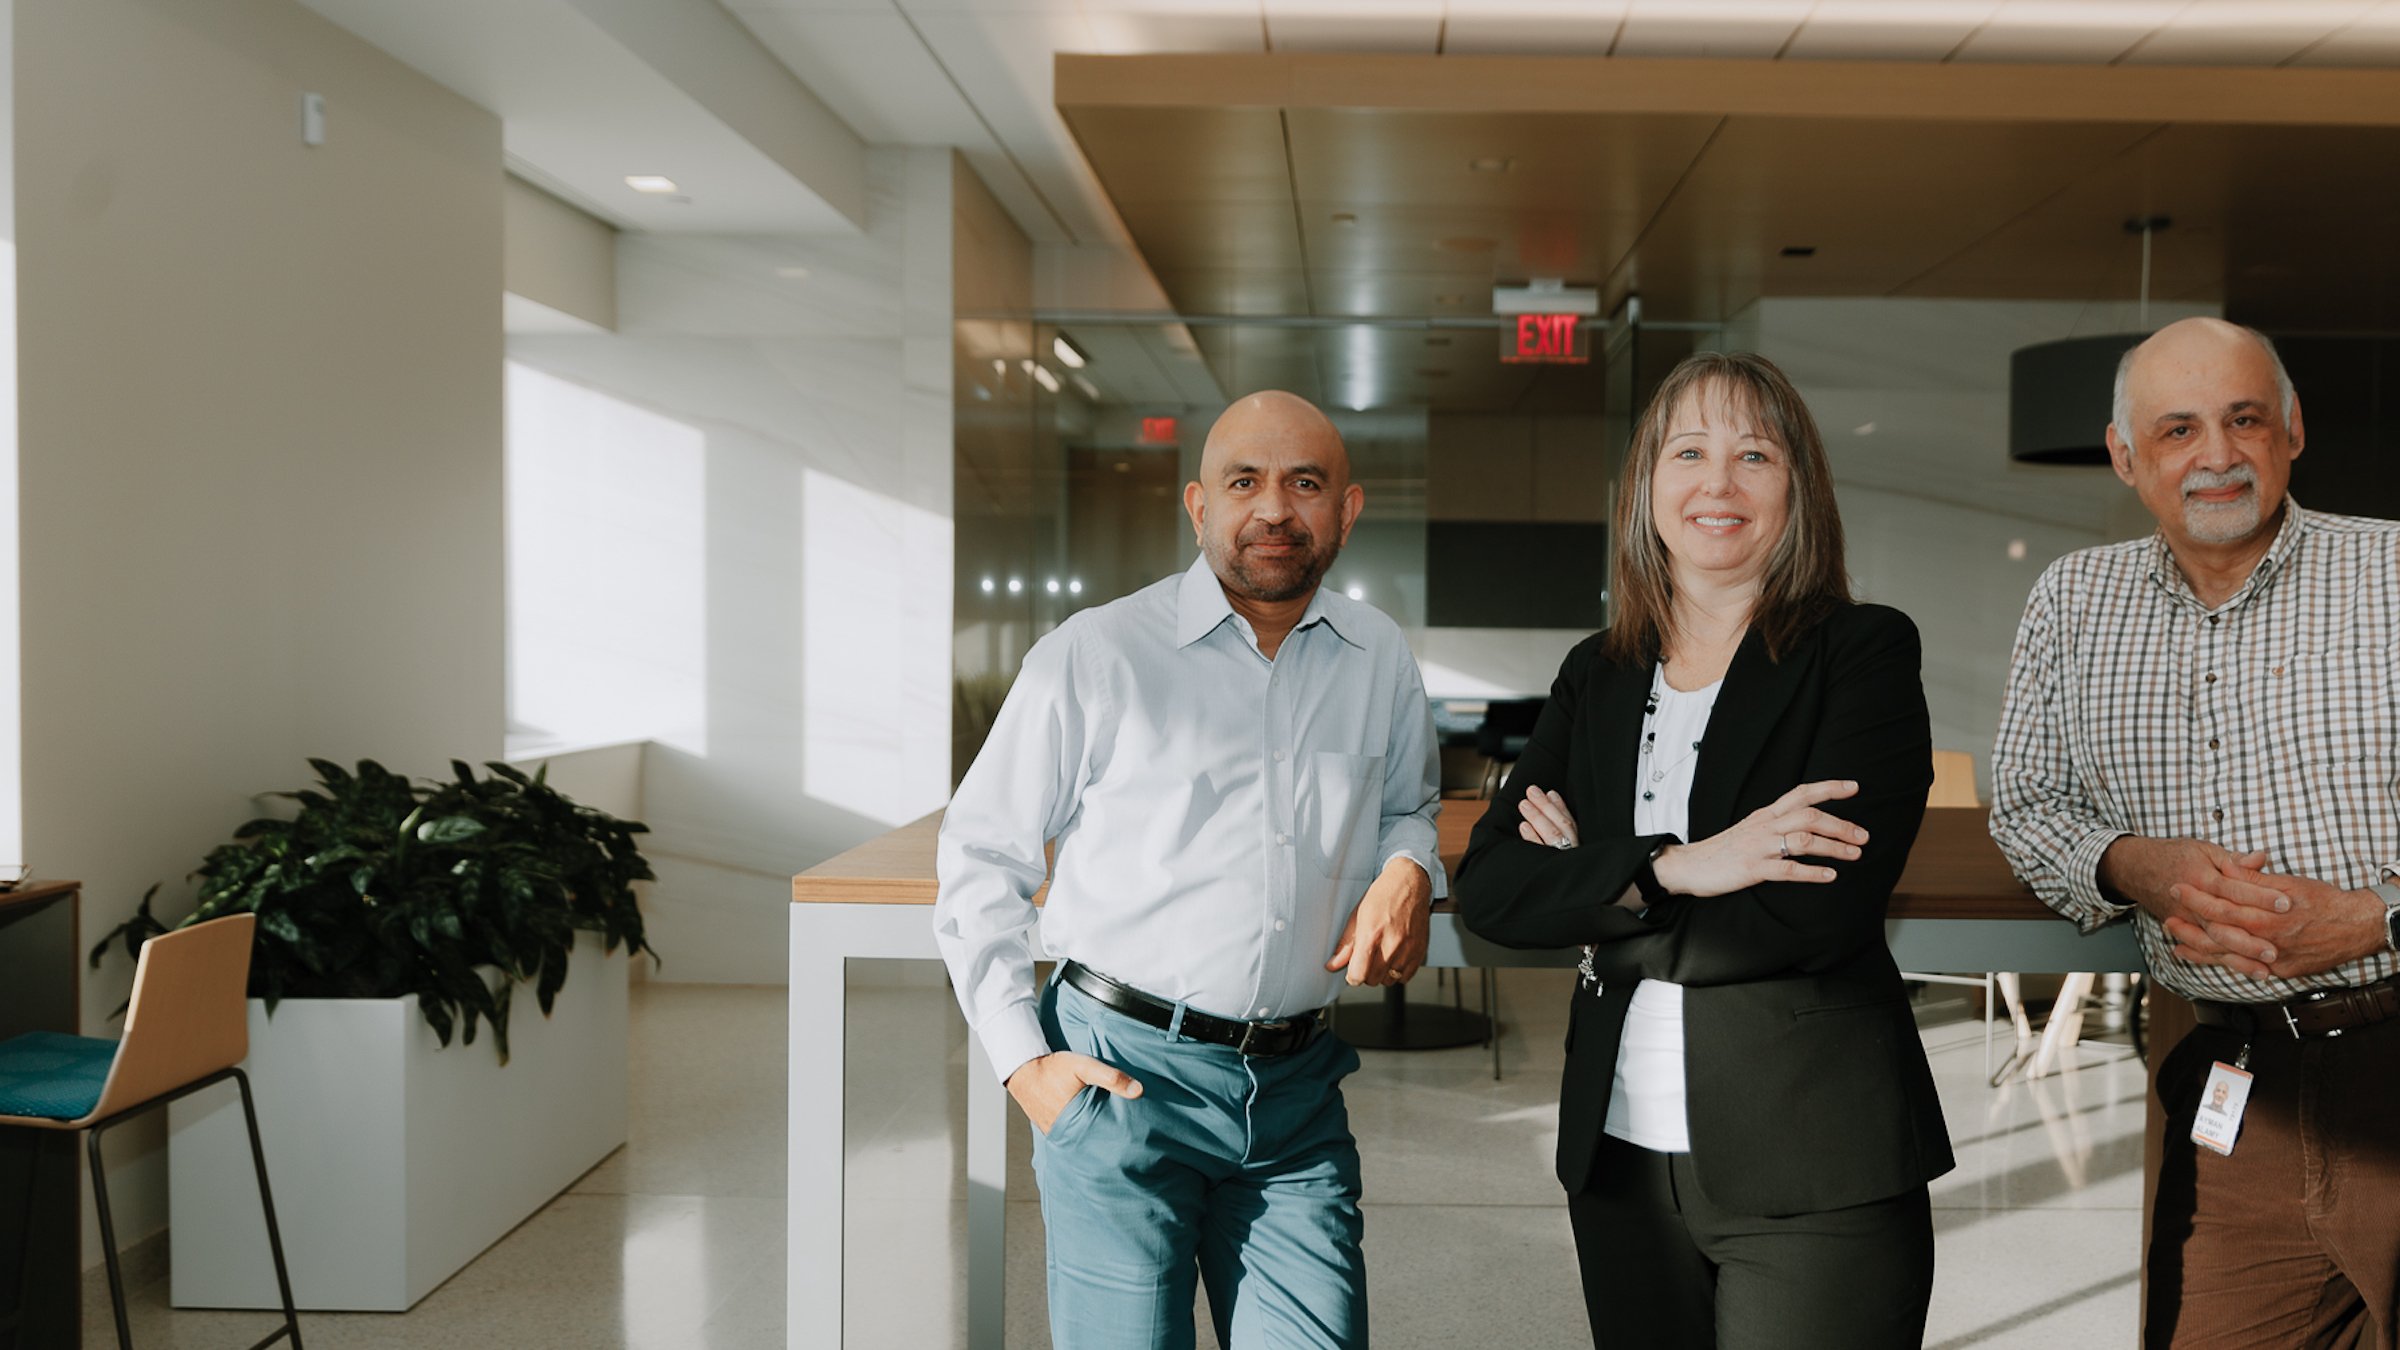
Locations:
1157 431
1546 339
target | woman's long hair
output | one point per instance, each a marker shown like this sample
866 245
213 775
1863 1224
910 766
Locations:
1804 576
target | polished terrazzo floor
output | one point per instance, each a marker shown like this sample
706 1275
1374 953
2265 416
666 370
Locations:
676 1241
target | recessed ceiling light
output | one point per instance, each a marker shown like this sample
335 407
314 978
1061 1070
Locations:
1069 355
792 273
2016 550
657 185
1799 250
1491 164
1863 429
1043 377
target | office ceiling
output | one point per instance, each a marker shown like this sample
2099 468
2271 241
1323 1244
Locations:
1407 187
977 73
760 108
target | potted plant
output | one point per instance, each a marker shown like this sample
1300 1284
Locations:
394 916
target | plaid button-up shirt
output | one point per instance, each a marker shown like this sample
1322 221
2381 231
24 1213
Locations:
2271 722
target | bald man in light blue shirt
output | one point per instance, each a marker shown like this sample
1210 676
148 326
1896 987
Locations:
1239 770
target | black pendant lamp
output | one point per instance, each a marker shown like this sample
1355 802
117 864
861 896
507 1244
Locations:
2059 393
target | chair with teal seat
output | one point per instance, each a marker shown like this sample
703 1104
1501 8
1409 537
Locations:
187 1028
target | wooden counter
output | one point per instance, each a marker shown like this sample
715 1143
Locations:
1954 872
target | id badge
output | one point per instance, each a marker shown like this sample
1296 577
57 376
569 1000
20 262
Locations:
2218 1123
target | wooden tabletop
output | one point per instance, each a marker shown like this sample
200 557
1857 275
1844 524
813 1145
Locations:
30 892
1955 871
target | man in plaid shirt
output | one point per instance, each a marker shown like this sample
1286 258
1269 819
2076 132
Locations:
2202 735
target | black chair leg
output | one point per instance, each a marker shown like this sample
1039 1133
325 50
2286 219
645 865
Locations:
266 1203
108 1238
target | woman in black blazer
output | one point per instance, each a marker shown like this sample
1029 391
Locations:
1748 1122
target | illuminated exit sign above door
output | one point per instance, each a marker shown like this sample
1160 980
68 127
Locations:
1546 339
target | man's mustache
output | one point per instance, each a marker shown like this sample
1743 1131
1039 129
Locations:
1277 533
2203 480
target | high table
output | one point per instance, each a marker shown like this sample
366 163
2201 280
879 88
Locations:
1957 908
40 1207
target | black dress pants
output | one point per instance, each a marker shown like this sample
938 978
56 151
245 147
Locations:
1664 1268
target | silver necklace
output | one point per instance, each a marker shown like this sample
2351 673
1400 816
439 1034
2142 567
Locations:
1655 763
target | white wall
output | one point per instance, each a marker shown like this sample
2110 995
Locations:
821 411
259 457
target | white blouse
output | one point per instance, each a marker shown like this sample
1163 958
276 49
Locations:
1645 1106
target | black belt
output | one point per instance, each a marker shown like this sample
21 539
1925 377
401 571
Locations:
1280 1036
2320 1012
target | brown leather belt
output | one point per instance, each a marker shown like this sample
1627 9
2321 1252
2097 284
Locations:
1279 1036
2320 1012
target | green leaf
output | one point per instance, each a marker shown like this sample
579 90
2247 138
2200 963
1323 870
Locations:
449 829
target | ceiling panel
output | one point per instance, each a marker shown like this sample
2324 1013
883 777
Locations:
1125 29
1874 30
1413 27
1186 154
1400 294
2245 33
1710 28
847 58
1466 241
2372 41
1881 201
1228 291
1524 27
2066 30
1553 161
1177 236
2230 193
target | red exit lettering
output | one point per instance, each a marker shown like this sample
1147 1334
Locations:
1545 337
1158 431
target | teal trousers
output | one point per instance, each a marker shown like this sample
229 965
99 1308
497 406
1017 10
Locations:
1237 1171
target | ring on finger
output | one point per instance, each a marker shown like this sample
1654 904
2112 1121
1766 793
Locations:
1784 843
1563 841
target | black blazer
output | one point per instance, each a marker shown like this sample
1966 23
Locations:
1807 1085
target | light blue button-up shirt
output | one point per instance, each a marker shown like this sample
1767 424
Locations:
1218 815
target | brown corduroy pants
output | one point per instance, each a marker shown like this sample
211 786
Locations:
2294 1240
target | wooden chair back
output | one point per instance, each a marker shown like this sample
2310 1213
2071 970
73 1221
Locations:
190 1014
1953 779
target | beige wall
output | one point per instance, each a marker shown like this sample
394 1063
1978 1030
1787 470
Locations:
260 436
558 256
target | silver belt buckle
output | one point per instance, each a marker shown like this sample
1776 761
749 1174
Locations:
2290 1022
1250 1029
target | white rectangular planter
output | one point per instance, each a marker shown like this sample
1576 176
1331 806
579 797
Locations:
394 1161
